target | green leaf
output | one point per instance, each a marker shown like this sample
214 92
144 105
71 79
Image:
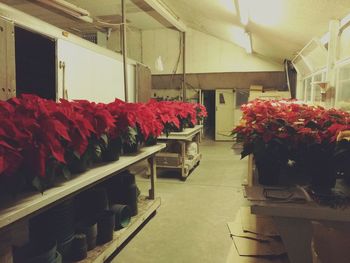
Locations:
104 138
66 173
37 183
76 154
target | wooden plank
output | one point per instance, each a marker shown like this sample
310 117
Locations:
310 211
250 170
101 253
27 204
7 60
11 61
153 166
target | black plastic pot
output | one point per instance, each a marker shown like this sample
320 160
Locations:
81 165
180 129
131 192
89 228
319 165
268 173
65 248
36 253
130 148
122 215
79 247
105 226
63 220
151 141
115 189
91 203
112 151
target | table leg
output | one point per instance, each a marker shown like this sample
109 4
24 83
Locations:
153 167
296 235
183 159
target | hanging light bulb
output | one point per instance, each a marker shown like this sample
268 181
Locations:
159 64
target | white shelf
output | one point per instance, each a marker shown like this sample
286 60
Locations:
186 135
27 204
101 253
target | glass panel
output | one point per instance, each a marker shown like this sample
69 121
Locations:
317 88
343 89
308 89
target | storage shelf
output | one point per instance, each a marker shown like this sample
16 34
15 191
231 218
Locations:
186 135
101 253
27 204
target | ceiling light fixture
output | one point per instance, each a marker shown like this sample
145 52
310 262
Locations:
243 11
68 9
248 44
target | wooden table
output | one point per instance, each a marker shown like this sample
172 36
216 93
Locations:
14 214
185 164
294 224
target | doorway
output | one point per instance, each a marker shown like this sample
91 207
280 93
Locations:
209 122
224 114
35 64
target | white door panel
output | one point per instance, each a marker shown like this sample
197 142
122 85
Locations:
224 115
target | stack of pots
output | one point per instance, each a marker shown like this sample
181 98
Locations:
122 189
55 235
63 223
113 150
43 252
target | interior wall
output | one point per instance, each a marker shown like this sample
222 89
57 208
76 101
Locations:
41 27
275 80
205 54
133 42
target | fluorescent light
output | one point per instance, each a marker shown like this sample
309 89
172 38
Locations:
229 5
243 10
167 14
69 9
248 43
345 21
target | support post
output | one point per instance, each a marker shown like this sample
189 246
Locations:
334 27
153 166
184 66
124 51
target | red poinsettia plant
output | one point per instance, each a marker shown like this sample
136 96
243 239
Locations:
165 114
280 131
36 135
201 112
41 140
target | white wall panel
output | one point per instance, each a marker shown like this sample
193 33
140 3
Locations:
132 83
205 53
89 75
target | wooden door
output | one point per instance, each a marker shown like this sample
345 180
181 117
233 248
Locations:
7 60
224 115
143 83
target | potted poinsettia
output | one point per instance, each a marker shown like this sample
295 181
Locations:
126 125
166 115
40 139
278 132
102 122
201 112
148 125
79 153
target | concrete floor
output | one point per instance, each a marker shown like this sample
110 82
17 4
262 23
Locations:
190 226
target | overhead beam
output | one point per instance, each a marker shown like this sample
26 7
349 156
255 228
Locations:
167 14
